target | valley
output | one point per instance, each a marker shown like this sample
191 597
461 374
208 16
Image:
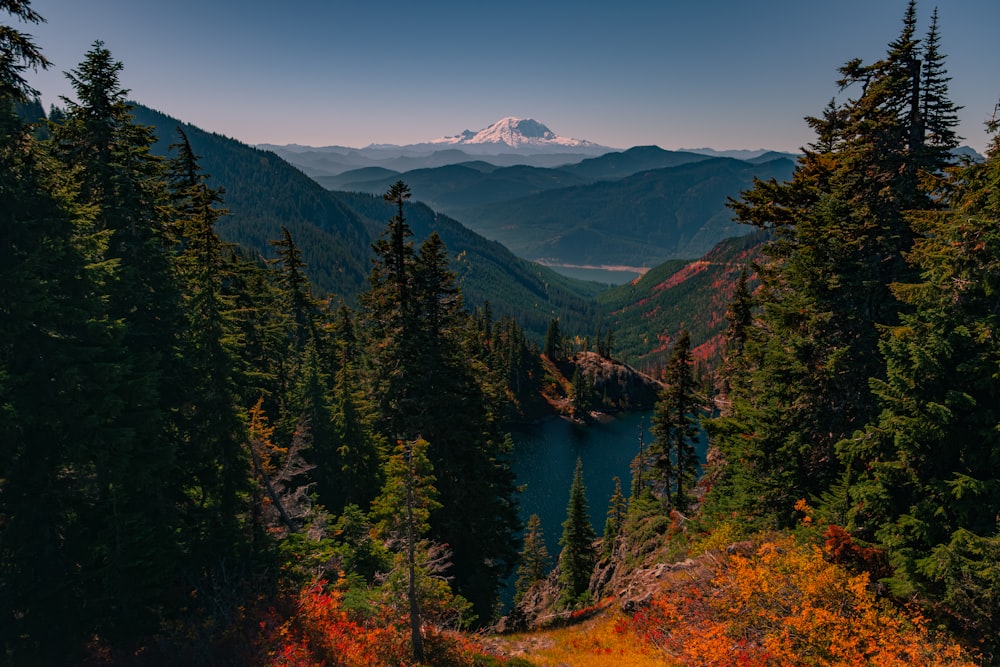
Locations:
335 228
503 397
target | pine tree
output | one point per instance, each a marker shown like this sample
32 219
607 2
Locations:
403 514
577 558
675 427
841 236
925 472
534 560
617 511
132 515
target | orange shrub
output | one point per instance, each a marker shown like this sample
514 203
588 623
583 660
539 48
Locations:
319 631
785 604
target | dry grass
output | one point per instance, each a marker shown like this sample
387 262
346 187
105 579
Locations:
596 642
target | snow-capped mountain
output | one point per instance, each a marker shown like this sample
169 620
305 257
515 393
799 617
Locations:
516 133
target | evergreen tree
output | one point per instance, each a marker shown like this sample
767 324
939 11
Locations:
925 483
352 473
131 515
18 52
739 319
426 383
617 510
534 560
208 427
403 514
841 235
553 341
391 323
577 558
638 466
939 113
298 303
582 392
675 427
52 333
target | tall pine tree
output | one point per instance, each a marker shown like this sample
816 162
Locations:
426 383
577 558
675 427
841 234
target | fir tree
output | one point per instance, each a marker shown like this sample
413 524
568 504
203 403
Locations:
18 52
577 558
131 512
534 560
52 336
553 341
925 483
403 514
675 427
426 383
209 427
841 236
617 511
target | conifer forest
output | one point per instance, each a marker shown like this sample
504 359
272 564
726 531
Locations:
205 459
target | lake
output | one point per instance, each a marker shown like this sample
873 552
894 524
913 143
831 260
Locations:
545 456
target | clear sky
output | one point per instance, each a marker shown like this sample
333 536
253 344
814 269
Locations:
675 73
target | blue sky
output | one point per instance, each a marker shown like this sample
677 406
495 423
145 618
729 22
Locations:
678 74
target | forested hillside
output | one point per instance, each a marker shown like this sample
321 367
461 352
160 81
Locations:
334 232
648 314
640 220
633 208
191 435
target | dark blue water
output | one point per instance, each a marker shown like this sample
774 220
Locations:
545 457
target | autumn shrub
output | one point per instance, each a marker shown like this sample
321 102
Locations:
323 626
321 632
785 603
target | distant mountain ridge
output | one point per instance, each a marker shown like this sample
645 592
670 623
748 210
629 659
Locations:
509 141
623 209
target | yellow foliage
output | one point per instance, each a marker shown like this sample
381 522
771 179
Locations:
260 432
721 536
596 643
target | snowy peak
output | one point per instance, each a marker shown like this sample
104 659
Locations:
514 133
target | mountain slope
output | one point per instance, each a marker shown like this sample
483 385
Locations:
615 165
456 187
264 193
641 220
647 314
335 230
487 271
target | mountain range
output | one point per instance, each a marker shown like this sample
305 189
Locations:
634 208
334 230
507 142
